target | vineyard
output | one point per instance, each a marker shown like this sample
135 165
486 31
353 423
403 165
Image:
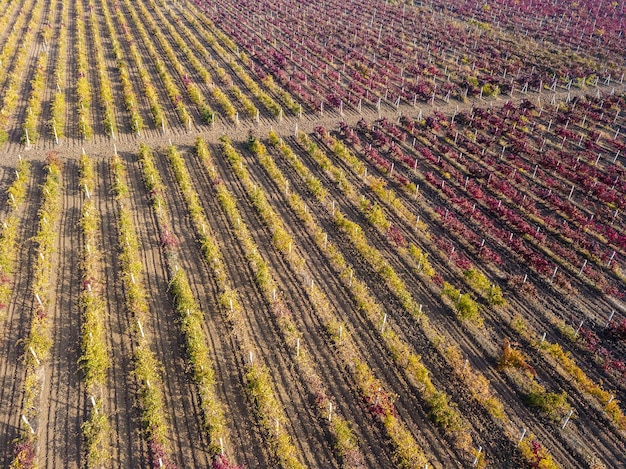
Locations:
312 234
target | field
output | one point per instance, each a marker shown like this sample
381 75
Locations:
312 234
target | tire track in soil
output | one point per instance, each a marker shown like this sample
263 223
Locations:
481 422
495 320
383 368
406 324
188 442
248 445
17 322
470 349
129 449
303 426
63 396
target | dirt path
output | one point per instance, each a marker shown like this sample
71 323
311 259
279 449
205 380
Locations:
129 142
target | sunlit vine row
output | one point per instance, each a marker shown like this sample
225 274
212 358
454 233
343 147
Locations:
146 364
477 384
226 79
201 26
83 84
11 89
106 93
130 99
150 91
258 379
442 411
95 358
191 315
57 106
222 99
38 342
408 451
9 235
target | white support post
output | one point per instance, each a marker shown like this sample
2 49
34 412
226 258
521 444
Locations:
608 321
480 450
93 403
27 423
34 355
554 273
578 328
610 260
569 415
